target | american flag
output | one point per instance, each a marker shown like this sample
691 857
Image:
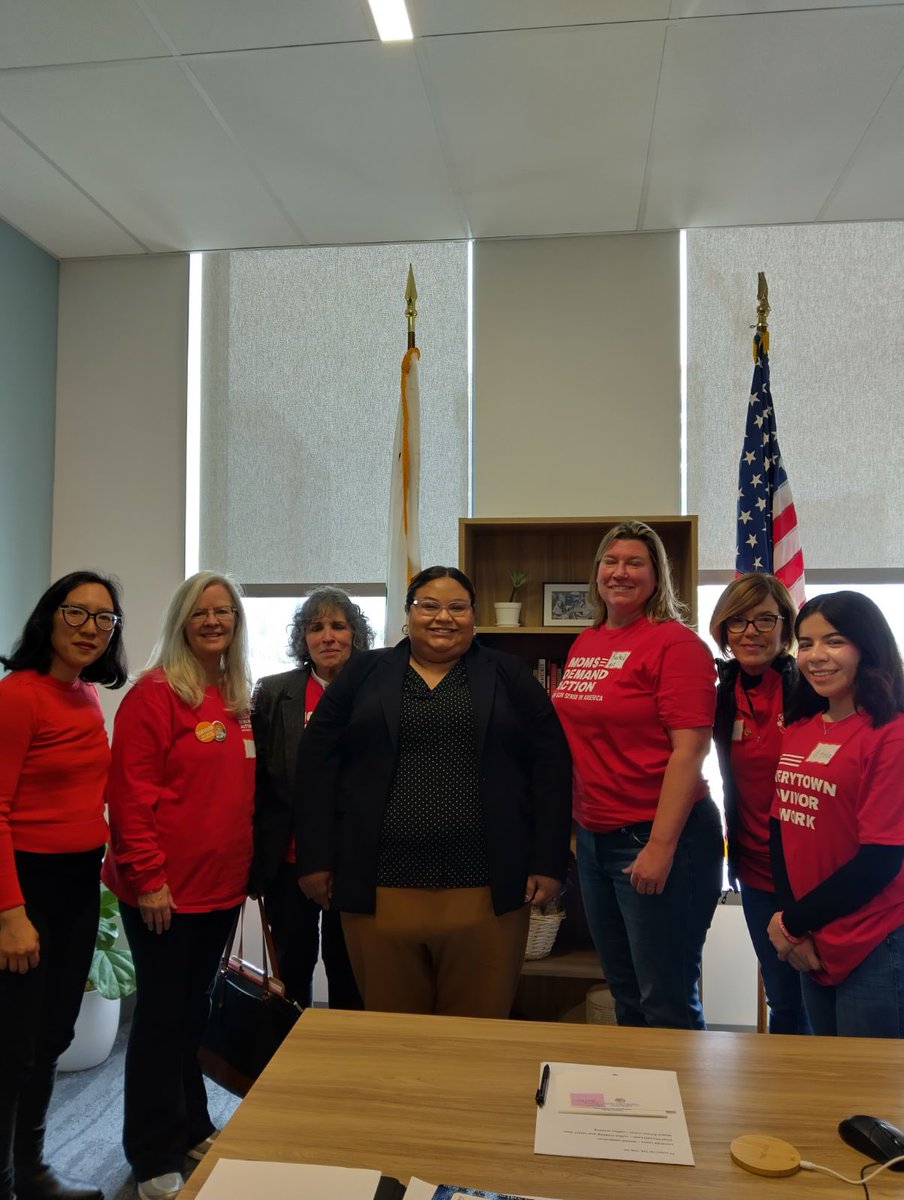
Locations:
768 539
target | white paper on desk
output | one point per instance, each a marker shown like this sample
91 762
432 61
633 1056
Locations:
419 1190
602 1112
239 1178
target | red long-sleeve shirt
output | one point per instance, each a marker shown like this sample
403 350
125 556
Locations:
181 799
54 760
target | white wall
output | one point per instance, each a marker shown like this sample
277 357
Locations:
119 482
577 376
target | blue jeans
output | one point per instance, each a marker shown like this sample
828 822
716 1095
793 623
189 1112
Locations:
869 1003
780 980
651 947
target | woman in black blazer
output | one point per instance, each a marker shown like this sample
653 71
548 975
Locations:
434 807
326 630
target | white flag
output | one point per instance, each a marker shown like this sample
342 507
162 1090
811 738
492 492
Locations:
404 491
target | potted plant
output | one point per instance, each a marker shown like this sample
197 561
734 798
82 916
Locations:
508 612
112 976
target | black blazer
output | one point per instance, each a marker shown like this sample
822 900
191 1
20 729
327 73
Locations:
347 761
277 719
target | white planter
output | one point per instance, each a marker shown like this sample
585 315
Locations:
508 612
95 1033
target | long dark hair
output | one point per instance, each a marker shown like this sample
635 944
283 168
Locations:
879 680
33 650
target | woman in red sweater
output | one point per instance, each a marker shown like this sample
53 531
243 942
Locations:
53 767
181 796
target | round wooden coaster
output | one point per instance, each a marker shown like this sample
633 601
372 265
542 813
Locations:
764 1155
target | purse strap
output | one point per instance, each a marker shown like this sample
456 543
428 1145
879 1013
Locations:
269 967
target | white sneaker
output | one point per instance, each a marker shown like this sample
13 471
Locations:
161 1187
198 1152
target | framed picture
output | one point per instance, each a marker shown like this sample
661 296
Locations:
566 604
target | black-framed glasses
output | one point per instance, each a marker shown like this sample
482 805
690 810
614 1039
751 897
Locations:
223 612
76 616
430 608
763 623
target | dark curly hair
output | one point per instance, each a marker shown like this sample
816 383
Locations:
879 680
34 652
319 602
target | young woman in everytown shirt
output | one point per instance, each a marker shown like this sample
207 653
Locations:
180 796
753 624
636 702
838 821
54 760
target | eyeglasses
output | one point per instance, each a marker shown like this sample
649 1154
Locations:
223 612
76 616
764 623
430 608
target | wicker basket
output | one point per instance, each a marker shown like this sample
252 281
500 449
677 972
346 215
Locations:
542 934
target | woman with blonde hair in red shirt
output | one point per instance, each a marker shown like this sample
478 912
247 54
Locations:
54 759
181 798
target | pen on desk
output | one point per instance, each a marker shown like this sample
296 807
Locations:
544 1085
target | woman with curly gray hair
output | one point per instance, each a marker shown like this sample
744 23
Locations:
328 627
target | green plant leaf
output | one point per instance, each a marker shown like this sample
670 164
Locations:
112 973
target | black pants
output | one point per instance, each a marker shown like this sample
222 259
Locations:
38 1010
165 1098
299 926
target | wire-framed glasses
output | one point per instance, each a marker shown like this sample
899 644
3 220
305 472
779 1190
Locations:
223 612
430 608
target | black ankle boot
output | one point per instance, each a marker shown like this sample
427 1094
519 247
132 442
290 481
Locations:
34 1179
43 1183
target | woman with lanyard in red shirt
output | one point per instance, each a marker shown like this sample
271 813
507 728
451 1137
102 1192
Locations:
181 797
753 622
54 760
838 821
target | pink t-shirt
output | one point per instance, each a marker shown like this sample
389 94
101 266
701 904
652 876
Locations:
621 692
839 786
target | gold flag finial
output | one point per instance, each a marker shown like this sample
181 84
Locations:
410 310
762 312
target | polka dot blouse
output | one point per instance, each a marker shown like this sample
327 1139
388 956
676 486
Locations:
432 828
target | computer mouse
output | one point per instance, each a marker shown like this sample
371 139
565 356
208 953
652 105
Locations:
877 1139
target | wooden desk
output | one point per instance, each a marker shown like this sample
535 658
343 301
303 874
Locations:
452 1101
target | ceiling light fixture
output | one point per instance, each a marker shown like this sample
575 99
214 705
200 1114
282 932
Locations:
391 19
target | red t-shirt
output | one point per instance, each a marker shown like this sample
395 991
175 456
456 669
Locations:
181 798
312 693
840 786
756 742
54 760
621 692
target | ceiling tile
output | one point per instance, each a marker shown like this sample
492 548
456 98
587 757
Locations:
547 131
39 201
139 139
755 8
344 135
433 17
37 32
756 118
209 25
872 188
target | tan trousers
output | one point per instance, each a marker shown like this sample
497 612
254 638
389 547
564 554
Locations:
437 950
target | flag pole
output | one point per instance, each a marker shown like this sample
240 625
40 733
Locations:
762 312
410 310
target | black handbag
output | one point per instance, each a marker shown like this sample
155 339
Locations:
250 1015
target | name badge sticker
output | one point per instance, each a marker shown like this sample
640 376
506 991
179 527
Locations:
737 731
823 752
618 659
250 748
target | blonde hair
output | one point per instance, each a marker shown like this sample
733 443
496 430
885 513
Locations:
172 655
664 604
744 592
